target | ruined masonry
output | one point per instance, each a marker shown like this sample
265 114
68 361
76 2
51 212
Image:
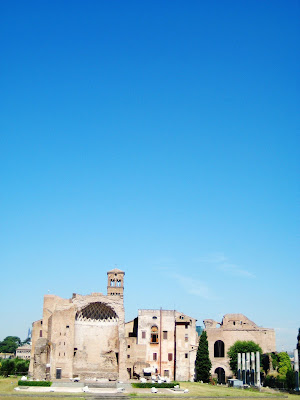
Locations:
87 337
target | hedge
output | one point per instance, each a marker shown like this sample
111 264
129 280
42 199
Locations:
34 383
154 384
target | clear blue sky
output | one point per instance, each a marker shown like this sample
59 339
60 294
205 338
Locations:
158 136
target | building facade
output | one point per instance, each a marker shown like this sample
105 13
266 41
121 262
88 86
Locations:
83 336
221 336
161 342
24 352
87 337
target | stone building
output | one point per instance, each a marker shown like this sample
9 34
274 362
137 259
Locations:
24 352
82 336
86 337
221 336
161 342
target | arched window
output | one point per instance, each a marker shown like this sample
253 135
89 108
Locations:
112 282
154 334
219 349
118 282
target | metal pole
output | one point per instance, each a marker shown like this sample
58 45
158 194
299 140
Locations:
160 342
175 346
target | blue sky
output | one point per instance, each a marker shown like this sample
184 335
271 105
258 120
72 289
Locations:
161 137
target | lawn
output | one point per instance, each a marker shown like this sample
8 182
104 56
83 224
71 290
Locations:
196 389
204 390
7 386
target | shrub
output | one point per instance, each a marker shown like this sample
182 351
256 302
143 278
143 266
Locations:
149 385
15 366
34 383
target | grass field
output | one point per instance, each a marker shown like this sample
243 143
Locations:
196 389
7 386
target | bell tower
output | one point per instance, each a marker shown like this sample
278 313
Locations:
115 283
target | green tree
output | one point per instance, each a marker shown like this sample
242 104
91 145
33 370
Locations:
265 361
10 344
241 347
275 360
284 364
290 379
26 341
203 363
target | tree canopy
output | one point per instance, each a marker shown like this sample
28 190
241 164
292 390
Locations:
10 344
203 363
241 347
284 364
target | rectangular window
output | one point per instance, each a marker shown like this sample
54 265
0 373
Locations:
128 355
170 356
186 326
186 338
154 356
166 372
41 333
143 335
128 346
165 334
186 355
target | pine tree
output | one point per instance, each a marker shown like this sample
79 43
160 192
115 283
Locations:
203 363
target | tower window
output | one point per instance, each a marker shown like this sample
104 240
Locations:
112 282
118 283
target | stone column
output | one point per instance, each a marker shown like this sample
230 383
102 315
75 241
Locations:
239 365
243 368
252 368
296 368
258 369
248 368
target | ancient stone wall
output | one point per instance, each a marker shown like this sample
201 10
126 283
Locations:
156 341
232 328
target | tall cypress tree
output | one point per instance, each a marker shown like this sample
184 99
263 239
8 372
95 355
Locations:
203 363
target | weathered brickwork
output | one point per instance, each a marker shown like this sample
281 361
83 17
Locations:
164 341
82 336
86 337
221 336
